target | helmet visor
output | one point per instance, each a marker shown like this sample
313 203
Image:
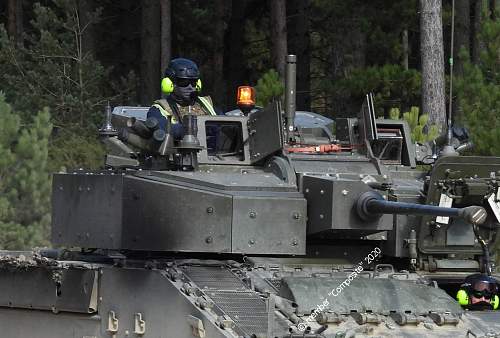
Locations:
186 82
484 289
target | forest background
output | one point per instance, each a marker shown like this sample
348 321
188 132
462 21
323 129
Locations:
61 61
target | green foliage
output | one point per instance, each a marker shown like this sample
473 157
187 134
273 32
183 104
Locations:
269 87
391 84
54 69
25 180
75 151
417 124
479 92
381 21
257 49
357 51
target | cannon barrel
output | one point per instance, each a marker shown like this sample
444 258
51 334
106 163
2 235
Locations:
152 123
149 145
371 205
158 136
139 127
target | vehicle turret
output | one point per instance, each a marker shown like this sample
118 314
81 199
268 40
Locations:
259 183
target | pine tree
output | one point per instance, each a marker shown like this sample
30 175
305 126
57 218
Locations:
269 87
24 179
479 92
53 68
420 129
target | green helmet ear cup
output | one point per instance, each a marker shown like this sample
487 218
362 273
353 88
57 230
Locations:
198 85
463 297
167 86
495 301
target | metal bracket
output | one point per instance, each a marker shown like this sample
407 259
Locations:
432 264
363 318
112 323
270 305
225 322
197 327
444 318
94 297
139 324
407 318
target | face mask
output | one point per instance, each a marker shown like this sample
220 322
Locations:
185 96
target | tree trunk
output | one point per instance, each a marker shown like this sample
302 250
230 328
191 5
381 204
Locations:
278 35
15 20
462 33
299 44
431 48
345 55
166 34
86 15
235 73
475 30
405 48
218 51
492 9
150 51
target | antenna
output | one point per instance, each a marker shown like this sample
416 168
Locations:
451 71
448 148
290 93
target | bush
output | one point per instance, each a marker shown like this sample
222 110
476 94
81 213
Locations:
269 87
394 86
25 184
54 69
420 131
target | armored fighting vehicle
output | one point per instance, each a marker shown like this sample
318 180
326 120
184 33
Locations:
258 225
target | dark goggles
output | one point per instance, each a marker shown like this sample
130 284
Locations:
186 82
484 289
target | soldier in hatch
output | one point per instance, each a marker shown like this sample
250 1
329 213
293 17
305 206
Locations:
479 292
182 85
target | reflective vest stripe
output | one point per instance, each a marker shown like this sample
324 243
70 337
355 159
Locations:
207 104
165 112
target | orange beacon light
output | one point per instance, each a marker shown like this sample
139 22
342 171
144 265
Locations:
245 98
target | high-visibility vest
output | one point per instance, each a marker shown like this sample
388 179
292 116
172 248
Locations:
165 109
